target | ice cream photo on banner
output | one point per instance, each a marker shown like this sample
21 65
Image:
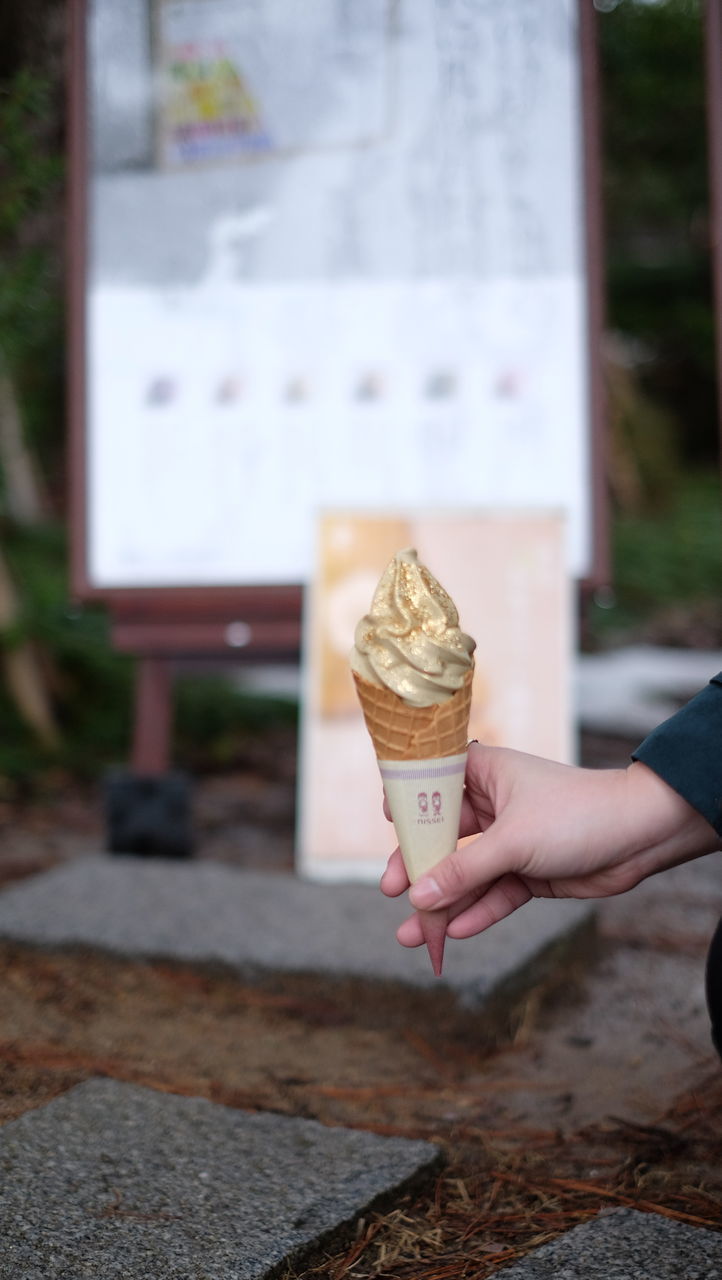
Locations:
413 669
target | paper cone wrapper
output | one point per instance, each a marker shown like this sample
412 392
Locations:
421 754
424 798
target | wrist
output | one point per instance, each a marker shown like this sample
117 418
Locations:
665 828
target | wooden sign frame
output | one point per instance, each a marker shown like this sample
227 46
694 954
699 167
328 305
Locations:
262 623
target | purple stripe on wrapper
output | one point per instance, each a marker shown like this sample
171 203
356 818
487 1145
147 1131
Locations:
416 772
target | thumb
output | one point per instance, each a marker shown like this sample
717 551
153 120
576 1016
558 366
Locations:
469 869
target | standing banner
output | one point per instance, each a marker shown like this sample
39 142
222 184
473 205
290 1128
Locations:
506 573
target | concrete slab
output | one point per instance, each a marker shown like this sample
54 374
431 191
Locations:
117 1181
631 690
625 1245
258 924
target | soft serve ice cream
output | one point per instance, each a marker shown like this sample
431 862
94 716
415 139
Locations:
413 665
410 641
413 669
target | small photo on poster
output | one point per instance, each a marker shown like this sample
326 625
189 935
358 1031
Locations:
240 81
208 109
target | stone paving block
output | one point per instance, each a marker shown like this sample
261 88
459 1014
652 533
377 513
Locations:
625 1245
116 1181
204 912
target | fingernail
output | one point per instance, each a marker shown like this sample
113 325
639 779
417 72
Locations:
425 893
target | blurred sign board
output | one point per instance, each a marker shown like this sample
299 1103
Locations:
339 254
507 573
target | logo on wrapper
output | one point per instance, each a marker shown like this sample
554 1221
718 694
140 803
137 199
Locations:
422 802
424 797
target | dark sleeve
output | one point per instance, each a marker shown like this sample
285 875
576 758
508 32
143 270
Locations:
686 752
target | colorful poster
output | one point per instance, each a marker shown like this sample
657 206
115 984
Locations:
240 79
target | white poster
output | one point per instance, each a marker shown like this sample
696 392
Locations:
336 261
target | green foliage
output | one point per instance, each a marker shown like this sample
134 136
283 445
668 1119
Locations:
31 302
30 180
656 205
654 122
29 175
90 684
668 562
93 686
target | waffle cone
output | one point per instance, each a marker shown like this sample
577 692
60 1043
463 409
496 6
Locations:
399 732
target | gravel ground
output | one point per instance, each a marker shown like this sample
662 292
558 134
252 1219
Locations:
606 1091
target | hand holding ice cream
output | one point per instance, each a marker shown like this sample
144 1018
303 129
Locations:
413 668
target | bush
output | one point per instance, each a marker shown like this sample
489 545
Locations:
667 571
92 685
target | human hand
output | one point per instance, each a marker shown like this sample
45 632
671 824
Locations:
549 830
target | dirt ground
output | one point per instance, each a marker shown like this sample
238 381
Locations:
604 1092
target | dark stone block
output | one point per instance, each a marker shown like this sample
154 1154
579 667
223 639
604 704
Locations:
149 815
